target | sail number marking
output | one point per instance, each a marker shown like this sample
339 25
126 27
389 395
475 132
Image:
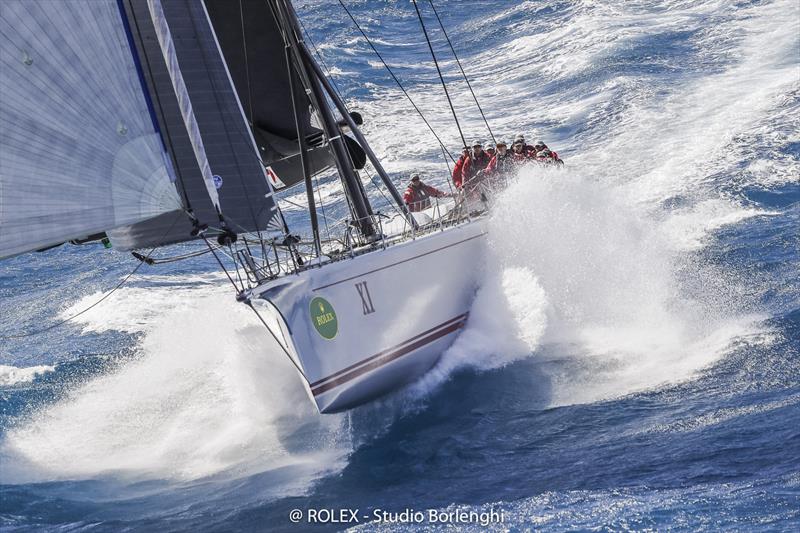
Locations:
367 306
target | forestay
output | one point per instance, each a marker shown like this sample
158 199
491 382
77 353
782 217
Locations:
79 153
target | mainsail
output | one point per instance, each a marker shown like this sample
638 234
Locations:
79 153
254 49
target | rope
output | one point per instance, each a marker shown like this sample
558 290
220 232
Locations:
336 88
462 71
397 81
76 315
142 261
441 77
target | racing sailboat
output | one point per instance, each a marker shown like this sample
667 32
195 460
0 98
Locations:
151 123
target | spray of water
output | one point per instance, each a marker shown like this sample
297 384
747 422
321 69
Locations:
583 268
206 396
576 276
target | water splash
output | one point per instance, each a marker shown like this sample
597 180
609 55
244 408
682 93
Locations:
206 396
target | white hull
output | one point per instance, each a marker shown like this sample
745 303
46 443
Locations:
362 327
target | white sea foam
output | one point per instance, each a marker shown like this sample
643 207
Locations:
208 395
577 276
582 264
11 375
137 309
689 228
620 303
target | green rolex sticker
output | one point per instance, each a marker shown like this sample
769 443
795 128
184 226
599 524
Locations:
324 318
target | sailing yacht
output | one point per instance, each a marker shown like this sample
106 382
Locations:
150 123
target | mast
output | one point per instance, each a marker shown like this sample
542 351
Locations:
359 137
362 209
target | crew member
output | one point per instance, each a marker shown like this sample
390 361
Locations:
527 148
546 153
502 163
548 157
418 195
520 154
477 161
458 166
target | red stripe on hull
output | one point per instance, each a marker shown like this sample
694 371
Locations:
387 356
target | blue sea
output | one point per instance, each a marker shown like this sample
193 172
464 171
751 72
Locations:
632 358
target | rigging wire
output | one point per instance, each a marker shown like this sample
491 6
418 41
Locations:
441 77
104 297
397 81
226 128
452 49
339 91
249 304
142 260
79 313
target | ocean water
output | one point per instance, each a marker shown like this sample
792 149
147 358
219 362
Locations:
632 359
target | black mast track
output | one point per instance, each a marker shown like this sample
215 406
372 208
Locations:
362 210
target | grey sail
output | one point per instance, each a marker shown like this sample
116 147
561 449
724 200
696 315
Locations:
245 196
252 43
79 152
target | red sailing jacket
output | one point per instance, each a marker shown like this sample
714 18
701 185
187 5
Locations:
419 199
457 171
500 164
520 158
473 165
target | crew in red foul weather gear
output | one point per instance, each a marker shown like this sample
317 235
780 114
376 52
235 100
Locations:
418 195
475 163
543 154
459 165
527 149
519 152
502 163
548 157
540 146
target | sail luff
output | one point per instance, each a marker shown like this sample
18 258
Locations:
245 198
250 136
